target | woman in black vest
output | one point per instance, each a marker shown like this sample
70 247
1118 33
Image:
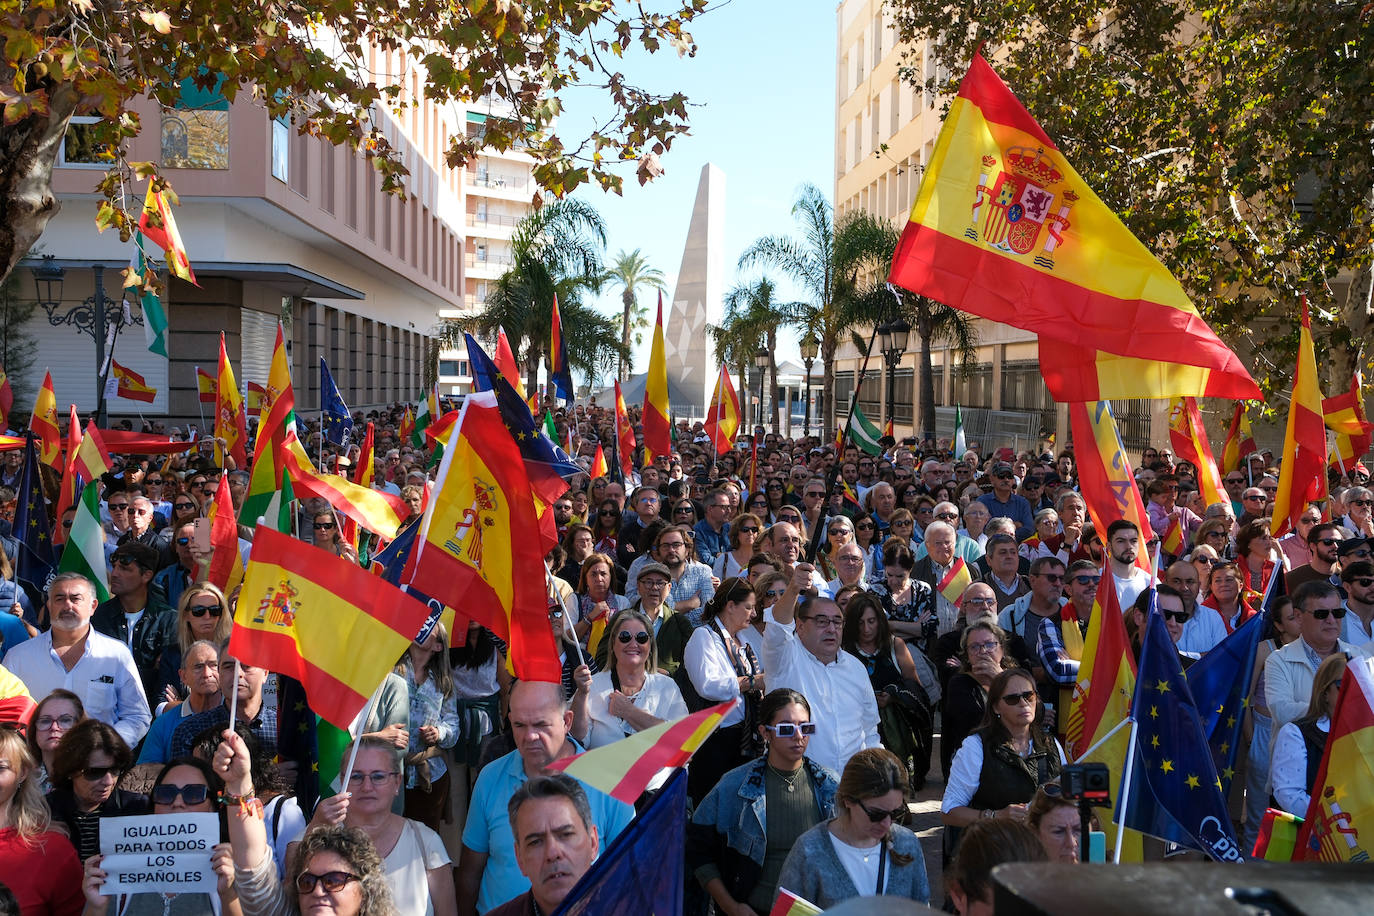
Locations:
998 768
1299 746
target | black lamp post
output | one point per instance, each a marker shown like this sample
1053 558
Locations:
761 360
892 338
809 347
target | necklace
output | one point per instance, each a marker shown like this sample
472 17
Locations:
788 779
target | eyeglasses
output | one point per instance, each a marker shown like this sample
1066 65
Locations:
1270 490
1216 534
748 529
652 583
1234 480
166 794
1176 616
375 778
45 723
139 511
181 507
1052 578
95 774
826 622
1252 498
1019 699
1361 581
948 516
333 881
1087 580
666 545
982 648
878 815
789 729
153 481
126 562
322 526
684 510
200 610
608 513
625 636
979 602
1322 613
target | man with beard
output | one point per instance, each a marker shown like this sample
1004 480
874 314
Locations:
1123 545
1324 544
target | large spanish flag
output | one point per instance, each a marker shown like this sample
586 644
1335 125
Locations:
1189 438
657 437
322 620
1003 227
1344 413
1340 816
722 420
231 424
1104 474
44 424
375 510
1302 468
478 548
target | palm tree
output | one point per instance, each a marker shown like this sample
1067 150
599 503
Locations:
751 309
631 272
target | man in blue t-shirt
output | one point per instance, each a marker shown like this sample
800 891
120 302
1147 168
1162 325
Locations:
1003 503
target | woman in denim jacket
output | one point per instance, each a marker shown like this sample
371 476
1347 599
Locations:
742 831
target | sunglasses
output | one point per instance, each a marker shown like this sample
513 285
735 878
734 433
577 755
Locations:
862 527
1252 498
333 881
95 774
1327 542
608 513
748 529
948 516
1360 502
1017 699
1003 475
624 636
1053 578
878 815
835 532
1235 480
1176 616
166 794
127 562
183 506
1322 613
1361 581
322 526
775 593
118 507
182 542
1087 580
789 729
200 610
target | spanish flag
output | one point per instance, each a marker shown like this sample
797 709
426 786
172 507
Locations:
1240 441
256 402
1341 812
722 419
657 438
67 490
92 457
407 428
6 398
365 472
624 435
1189 438
1344 413
159 226
789 904
205 386
230 422
1003 227
478 547
1172 542
599 467
1302 470
1104 474
322 620
375 510
131 385
226 563
44 424
954 582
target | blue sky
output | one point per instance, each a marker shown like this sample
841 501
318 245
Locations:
762 88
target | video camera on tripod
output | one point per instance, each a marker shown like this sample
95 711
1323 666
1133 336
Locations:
1088 784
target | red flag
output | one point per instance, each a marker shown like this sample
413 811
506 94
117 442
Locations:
226 563
66 494
1344 413
205 385
6 398
599 466
1302 471
624 435
1189 438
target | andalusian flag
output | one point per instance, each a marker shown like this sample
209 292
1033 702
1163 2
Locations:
864 434
231 424
624 768
550 429
624 435
789 904
154 315
657 435
1189 438
953 583
1104 473
1302 468
1344 414
160 227
425 414
722 419
959 443
322 620
1240 441
1004 228
85 550
130 385
265 499
375 510
44 424
560 373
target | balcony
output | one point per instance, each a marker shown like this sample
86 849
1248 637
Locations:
493 220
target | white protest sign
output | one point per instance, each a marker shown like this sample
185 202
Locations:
158 853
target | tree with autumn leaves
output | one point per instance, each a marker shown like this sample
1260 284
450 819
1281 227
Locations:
307 63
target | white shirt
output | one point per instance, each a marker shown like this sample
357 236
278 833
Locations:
1353 630
1128 589
1202 631
1288 768
659 697
711 671
861 864
840 694
833 587
967 769
104 678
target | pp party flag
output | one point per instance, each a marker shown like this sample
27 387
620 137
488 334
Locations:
230 423
1189 438
205 386
863 433
159 226
154 316
255 402
70 486
476 548
1342 805
959 441
1003 227
1344 413
266 481
1220 682
560 373
1302 468
130 385
722 419
505 361
657 437
6 398
953 583
1240 441
225 566
1104 473
1101 701
789 904
335 419
44 424
623 769
322 620
1278 836
375 510
1172 790
85 550
643 869
624 436
599 467
31 526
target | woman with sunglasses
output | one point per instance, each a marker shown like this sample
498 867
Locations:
839 530
866 536
37 863
1216 534
334 868
53 717
185 509
998 768
775 491
183 786
606 527
324 528
744 535
732 854
862 851
902 526
684 513
629 695
758 506
202 614
87 766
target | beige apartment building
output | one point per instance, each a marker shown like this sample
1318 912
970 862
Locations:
885 131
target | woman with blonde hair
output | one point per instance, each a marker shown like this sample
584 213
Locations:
628 695
433 725
38 864
1300 744
202 613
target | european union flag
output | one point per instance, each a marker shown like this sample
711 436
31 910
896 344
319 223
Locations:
297 740
33 531
1173 792
1221 686
334 415
642 870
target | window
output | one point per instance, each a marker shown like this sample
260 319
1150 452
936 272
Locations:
195 131
80 148
450 367
281 150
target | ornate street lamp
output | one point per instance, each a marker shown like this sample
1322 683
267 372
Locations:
809 346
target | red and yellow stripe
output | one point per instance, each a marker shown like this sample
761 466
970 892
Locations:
1104 474
658 439
1302 472
44 424
373 509
231 425
722 420
1189 438
624 434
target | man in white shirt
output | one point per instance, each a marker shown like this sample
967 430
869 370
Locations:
1289 672
1123 546
806 657
71 655
849 564
1204 627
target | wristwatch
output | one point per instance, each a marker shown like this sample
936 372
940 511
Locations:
987 814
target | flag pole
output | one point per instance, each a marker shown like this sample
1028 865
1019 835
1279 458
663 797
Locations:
1125 790
234 697
362 728
554 600
1105 738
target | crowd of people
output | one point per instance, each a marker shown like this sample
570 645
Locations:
808 582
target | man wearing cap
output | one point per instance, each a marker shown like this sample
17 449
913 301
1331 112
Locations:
137 616
1003 503
1358 578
